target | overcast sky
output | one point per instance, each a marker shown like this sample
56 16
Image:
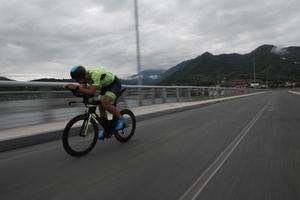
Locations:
44 38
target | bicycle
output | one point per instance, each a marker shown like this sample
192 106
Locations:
81 132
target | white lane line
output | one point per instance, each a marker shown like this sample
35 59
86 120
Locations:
293 92
195 189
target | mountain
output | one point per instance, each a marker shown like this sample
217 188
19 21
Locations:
2 78
149 77
176 68
277 65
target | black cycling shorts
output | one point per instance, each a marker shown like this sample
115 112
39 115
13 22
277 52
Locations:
113 90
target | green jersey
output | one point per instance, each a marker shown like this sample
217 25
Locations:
100 77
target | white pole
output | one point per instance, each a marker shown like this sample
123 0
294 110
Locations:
254 68
137 41
138 54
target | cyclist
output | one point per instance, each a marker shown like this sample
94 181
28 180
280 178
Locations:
110 89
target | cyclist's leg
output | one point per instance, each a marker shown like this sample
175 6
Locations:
102 112
101 109
108 100
110 95
102 134
107 103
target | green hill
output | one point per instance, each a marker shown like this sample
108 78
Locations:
274 65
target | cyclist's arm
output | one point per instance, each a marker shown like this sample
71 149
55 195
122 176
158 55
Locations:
70 86
87 91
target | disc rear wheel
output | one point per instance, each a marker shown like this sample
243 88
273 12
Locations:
127 132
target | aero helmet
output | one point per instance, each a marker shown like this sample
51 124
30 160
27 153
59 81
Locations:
77 72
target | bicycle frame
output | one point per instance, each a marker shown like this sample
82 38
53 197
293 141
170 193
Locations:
91 120
91 111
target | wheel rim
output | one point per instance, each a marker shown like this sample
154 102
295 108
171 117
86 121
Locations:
81 136
129 125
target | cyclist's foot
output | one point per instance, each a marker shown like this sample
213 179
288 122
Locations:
101 135
120 124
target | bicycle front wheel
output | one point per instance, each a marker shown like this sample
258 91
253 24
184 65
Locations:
80 135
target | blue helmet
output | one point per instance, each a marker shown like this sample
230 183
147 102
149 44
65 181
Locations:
77 72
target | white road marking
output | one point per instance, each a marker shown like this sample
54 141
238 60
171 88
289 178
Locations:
196 188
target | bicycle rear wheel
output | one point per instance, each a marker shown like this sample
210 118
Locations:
80 135
127 132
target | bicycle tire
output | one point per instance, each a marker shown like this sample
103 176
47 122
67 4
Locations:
125 138
67 136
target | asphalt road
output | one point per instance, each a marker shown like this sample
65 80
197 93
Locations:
247 148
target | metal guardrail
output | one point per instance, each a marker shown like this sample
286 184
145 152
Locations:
28 103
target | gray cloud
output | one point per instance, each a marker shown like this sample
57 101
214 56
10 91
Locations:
47 37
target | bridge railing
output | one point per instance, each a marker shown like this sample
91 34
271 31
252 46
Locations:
29 103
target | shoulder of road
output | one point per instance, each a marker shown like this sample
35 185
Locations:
25 136
294 92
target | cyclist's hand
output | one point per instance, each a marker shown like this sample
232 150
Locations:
66 86
71 86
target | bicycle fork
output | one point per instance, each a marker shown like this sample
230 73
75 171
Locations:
85 125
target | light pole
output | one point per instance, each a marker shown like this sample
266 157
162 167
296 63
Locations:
294 62
267 78
138 51
254 78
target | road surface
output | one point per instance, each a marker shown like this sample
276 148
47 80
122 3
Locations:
247 148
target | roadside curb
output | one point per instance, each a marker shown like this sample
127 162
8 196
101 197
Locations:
20 142
15 143
293 92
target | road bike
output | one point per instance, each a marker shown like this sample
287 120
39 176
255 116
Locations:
81 132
